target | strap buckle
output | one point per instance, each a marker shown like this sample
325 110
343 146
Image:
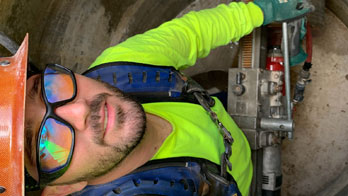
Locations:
207 102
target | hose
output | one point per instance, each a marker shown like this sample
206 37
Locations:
304 75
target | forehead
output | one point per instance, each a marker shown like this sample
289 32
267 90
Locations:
29 138
34 111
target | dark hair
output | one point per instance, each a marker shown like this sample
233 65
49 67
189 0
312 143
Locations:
30 183
32 70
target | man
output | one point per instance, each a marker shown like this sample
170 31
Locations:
80 131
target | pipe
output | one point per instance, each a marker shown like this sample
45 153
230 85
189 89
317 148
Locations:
287 74
276 124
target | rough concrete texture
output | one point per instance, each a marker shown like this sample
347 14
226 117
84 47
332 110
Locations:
340 8
73 33
318 153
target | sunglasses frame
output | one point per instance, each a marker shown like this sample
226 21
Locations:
47 177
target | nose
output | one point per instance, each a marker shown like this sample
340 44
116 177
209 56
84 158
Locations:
74 113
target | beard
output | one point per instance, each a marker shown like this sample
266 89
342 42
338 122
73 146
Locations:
134 118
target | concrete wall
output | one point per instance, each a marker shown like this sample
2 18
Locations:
73 33
318 153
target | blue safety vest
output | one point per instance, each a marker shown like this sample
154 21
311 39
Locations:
175 176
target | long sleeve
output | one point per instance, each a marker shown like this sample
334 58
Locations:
181 41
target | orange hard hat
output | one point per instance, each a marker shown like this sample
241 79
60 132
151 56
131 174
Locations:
13 72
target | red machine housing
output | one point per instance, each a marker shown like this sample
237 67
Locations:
275 62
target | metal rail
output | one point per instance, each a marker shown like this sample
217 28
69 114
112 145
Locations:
287 74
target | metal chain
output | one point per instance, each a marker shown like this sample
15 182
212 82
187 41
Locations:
207 102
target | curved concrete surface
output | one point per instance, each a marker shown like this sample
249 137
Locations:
318 153
73 33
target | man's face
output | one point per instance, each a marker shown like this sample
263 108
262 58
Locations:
107 124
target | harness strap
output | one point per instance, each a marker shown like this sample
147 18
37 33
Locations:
207 102
146 83
150 83
172 176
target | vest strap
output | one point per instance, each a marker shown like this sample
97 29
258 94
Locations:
174 176
146 83
150 83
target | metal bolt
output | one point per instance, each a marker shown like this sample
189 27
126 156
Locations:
238 89
5 63
299 6
2 189
276 76
117 191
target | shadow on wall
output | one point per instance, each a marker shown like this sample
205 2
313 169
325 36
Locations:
74 33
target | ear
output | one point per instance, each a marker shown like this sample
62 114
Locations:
63 190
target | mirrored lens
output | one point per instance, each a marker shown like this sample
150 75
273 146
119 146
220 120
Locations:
58 85
55 145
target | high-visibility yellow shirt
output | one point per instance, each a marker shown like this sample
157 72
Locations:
195 135
179 43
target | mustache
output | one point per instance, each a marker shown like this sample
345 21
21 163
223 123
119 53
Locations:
94 119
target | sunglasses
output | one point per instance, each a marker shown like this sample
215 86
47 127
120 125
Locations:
56 137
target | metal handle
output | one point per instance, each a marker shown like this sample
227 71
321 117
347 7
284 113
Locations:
287 74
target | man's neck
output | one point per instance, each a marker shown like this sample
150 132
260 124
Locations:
157 130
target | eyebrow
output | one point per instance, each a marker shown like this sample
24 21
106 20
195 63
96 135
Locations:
35 89
29 141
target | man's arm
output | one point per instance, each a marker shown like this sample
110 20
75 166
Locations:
181 41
